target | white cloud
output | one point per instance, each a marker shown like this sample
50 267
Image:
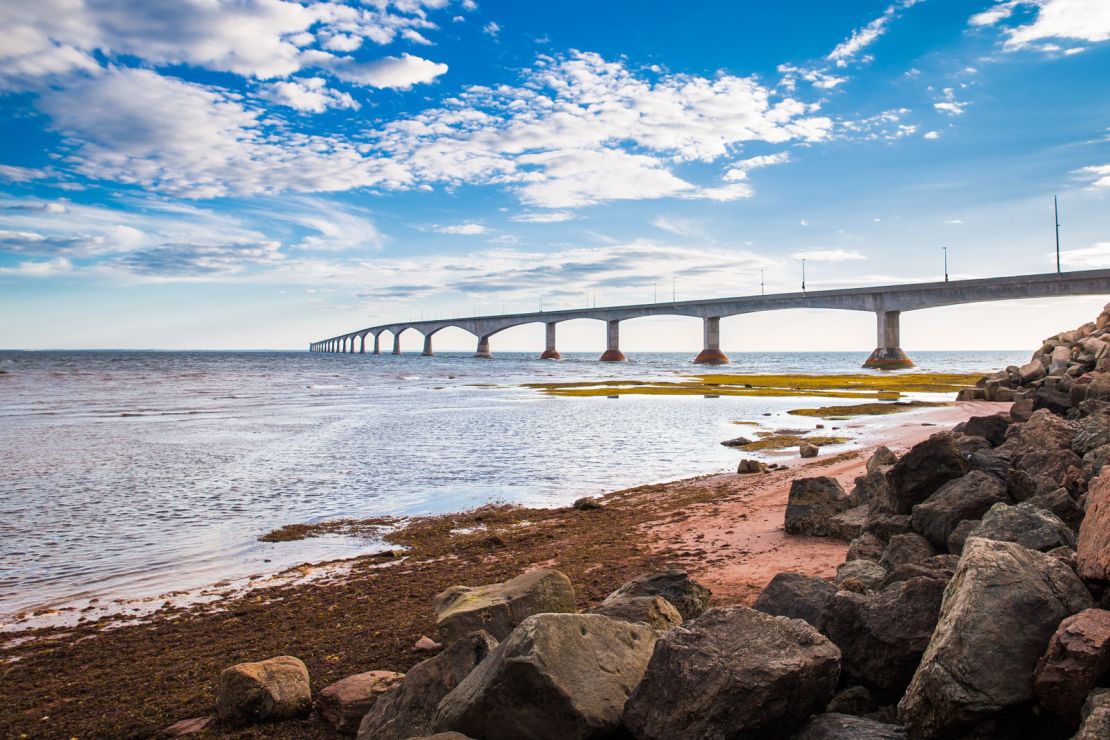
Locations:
491 29
931 135
1099 174
1085 20
953 221
829 255
466 229
1091 257
49 268
398 73
679 226
739 170
863 37
949 104
544 217
310 95
415 37
12 173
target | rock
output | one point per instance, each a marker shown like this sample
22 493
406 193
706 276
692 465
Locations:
963 498
807 450
855 700
189 726
833 726
1026 525
267 691
1096 716
408 709
733 672
885 526
685 594
968 445
848 525
960 534
906 548
747 466
812 502
938 567
1022 410
426 645
971 394
870 487
1060 503
860 576
922 470
442 736
881 460
556 676
344 703
499 607
586 503
796 596
1065 555
1000 610
1078 656
996 462
737 442
654 611
1050 468
1031 372
1051 400
882 635
865 547
1093 548
992 428
1099 388
1044 430
1094 431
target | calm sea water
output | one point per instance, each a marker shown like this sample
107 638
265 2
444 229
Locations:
136 473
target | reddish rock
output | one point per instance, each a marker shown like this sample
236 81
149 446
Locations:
426 645
188 726
344 703
1077 657
1093 549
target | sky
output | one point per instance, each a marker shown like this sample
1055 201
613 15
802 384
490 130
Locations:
253 174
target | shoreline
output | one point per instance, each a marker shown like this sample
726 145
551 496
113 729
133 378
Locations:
367 612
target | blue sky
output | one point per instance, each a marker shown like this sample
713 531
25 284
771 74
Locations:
261 173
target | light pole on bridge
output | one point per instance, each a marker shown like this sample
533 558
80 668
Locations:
945 263
803 274
1056 211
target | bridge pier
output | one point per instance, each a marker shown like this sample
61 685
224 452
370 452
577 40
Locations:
362 344
613 341
397 343
550 353
711 353
377 344
483 348
888 355
428 346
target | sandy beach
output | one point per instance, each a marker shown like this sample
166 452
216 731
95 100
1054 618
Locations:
367 613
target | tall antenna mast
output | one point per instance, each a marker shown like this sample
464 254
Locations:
1056 210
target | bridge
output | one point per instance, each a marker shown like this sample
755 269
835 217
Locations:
887 302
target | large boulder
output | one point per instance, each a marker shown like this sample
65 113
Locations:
960 534
685 594
812 502
848 524
561 676
921 471
992 428
1025 524
939 568
906 548
733 673
1044 430
1078 656
998 614
865 547
654 611
860 576
266 691
1093 548
870 487
344 703
1096 716
834 726
881 460
963 498
797 596
882 636
1060 503
499 607
408 709
1093 432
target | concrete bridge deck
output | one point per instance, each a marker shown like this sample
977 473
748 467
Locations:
886 302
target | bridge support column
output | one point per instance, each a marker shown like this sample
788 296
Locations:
362 345
350 345
397 343
377 344
550 353
711 353
613 343
888 355
483 348
427 346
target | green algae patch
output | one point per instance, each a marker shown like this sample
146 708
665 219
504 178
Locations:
782 441
857 386
865 409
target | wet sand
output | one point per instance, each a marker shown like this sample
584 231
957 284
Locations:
113 679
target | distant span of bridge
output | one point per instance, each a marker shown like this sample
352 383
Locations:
887 302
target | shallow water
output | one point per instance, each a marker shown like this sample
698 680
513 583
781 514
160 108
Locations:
130 474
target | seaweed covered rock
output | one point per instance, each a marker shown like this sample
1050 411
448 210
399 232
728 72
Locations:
797 596
999 612
654 611
733 672
882 636
1078 657
921 471
834 726
344 703
685 594
267 691
1025 524
499 607
967 497
556 676
408 709
812 502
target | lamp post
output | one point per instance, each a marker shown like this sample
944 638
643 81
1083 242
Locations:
945 263
1056 210
803 274
761 289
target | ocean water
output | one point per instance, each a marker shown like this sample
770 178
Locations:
132 474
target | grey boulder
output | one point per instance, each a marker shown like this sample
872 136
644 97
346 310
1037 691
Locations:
812 502
967 497
921 471
834 726
499 607
685 594
1025 524
797 596
654 611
